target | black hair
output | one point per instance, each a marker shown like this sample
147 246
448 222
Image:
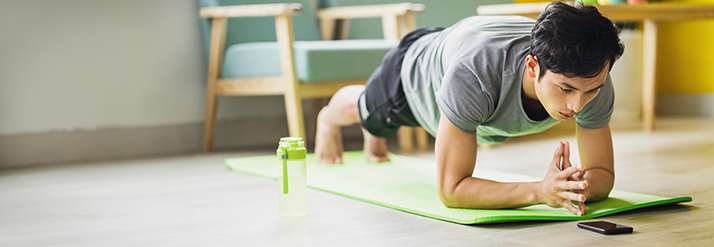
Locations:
576 41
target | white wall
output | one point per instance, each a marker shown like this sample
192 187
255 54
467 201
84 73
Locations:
69 65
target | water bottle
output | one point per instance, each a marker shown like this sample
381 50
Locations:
292 180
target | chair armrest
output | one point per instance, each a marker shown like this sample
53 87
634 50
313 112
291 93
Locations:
350 12
250 10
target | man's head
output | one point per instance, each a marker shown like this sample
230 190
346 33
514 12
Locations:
572 50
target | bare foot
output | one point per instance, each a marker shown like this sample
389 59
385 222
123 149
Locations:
375 148
328 141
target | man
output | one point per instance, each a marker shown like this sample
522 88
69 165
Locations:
483 80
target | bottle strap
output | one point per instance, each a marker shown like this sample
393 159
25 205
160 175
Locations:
285 169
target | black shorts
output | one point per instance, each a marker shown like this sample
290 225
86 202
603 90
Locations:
383 106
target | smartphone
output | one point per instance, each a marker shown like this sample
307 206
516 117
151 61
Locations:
604 227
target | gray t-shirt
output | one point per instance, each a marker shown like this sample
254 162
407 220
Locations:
473 73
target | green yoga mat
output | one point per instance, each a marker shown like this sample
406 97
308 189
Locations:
409 184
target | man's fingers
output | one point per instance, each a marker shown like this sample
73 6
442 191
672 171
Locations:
566 155
570 207
583 209
557 156
586 193
575 185
571 196
565 174
566 149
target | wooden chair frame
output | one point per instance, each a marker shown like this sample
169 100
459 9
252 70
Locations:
397 21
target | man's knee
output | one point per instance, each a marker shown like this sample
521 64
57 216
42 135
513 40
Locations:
343 107
350 91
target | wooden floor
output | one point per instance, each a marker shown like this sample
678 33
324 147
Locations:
196 201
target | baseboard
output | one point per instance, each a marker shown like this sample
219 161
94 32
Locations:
129 143
685 104
61 147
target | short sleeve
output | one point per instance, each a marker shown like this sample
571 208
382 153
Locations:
596 114
463 99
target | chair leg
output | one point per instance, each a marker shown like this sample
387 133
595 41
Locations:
422 139
296 120
218 32
406 141
293 99
209 123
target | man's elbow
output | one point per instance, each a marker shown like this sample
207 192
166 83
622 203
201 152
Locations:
599 195
602 183
449 198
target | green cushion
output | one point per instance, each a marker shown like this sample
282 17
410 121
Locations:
314 60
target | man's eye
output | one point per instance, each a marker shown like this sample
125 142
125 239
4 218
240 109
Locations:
565 90
594 91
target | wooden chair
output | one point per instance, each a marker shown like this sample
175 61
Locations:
295 84
393 29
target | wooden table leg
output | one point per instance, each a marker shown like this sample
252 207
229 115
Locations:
649 91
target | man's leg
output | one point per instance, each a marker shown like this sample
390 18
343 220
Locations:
375 148
342 110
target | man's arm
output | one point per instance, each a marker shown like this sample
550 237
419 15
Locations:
596 155
456 158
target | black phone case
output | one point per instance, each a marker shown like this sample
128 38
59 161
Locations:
620 229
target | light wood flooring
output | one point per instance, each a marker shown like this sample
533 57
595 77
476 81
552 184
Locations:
194 200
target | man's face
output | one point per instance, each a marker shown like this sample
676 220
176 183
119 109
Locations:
563 97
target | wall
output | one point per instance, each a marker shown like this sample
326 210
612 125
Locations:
686 50
93 80
85 65
685 84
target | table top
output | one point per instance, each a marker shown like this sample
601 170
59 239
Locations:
622 12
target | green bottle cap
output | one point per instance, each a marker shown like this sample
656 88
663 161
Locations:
292 147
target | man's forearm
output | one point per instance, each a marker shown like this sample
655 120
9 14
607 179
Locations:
474 192
596 153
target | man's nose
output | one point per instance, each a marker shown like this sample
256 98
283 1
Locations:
576 103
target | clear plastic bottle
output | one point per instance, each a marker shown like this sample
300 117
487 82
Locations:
292 179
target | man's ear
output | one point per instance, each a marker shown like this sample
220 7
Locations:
532 66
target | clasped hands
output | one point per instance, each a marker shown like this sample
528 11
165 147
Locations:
564 185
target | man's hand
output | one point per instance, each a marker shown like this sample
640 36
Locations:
578 176
560 187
